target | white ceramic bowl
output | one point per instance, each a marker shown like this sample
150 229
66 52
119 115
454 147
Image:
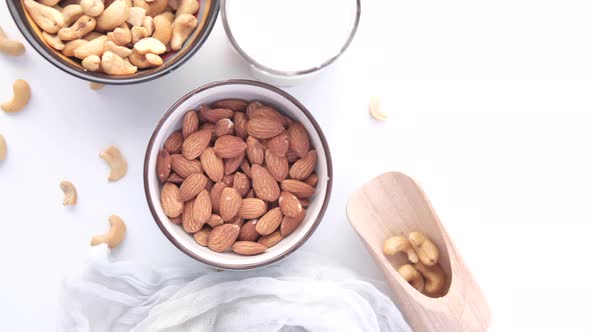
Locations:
247 90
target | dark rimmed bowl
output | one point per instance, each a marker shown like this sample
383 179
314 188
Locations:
207 15
247 90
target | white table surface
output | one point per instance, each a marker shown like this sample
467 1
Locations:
489 105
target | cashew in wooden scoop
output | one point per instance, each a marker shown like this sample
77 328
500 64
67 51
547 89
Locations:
114 236
396 244
412 276
116 161
22 94
427 251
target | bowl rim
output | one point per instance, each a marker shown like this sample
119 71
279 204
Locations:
119 80
316 127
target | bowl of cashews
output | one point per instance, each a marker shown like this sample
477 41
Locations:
115 42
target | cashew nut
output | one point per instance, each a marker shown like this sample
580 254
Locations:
96 86
184 25
157 7
150 45
113 64
92 7
173 4
71 13
427 251
93 47
10 46
70 46
412 276
70 194
142 4
148 24
2 148
435 278
53 40
138 33
84 25
120 36
22 94
117 163
47 18
397 244
91 63
187 7
113 16
93 35
162 29
121 51
114 236
139 60
376 110
49 3
170 16
136 15
154 59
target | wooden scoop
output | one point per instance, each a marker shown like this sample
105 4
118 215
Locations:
393 204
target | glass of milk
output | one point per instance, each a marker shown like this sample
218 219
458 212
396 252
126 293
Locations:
288 41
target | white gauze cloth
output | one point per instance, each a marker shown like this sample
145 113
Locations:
303 293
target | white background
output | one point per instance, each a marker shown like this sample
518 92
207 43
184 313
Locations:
489 104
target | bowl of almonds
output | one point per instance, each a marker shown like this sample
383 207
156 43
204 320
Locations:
238 174
115 41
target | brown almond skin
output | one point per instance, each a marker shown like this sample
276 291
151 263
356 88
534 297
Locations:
277 166
264 184
215 221
248 231
252 208
173 143
291 156
271 239
224 127
263 128
303 167
190 123
269 222
232 104
216 114
245 167
192 186
290 224
190 224
298 139
251 107
184 167
241 125
229 203
229 146
216 191
196 143
163 165
175 178
241 183
248 248
228 180
231 165
290 205
255 151
170 200
266 112
312 180
279 144
202 208
202 236
297 188
222 237
212 165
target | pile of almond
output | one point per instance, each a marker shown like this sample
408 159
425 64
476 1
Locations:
115 37
238 175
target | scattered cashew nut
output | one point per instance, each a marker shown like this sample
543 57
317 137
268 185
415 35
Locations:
2 147
435 278
397 244
70 194
376 109
184 25
116 161
47 18
412 276
427 252
22 94
10 46
114 236
96 86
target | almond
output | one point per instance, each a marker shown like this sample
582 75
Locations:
298 188
279 144
269 221
241 125
245 167
202 208
177 220
228 146
290 205
298 139
189 218
239 221
251 107
303 167
215 221
170 199
208 126
224 127
216 195
183 166
190 124
304 202
232 104
222 237
228 180
251 194
290 224
192 186
252 208
264 184
195 144
241 183
312 180
163 165
231 165
209 185
265 112
202 236
277 166
174 142
229 203
248 231
270 239
216 114
248 248
175 178
264 128
255 151
292 156
212 165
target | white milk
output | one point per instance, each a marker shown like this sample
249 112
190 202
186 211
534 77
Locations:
288 37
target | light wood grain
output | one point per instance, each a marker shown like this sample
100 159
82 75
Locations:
393 204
